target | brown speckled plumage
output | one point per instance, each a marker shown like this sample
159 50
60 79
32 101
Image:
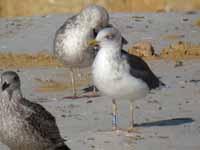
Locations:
70 43
25 125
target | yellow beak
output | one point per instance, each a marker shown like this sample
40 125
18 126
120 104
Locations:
92 42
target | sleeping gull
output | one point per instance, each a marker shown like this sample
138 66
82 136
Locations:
25 125
119 74
70 43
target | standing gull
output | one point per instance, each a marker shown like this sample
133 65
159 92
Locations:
70 44
119 74
25 125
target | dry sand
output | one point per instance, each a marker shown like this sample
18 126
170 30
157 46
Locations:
29 7
168 119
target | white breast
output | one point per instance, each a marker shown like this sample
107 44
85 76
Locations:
112 78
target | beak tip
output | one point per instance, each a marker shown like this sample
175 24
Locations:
92 42
5 86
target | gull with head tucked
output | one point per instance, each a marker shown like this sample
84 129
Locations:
25 125
119 74
70 44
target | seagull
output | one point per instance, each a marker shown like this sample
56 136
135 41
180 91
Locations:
70 43
118 74
25 125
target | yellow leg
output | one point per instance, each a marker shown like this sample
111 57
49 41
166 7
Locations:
114 115
131 111
131 126
79 73
73 81
95 92
119 131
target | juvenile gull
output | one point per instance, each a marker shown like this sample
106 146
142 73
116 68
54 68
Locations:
119 74
70 44
25 125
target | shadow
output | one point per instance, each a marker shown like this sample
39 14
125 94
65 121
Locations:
169 122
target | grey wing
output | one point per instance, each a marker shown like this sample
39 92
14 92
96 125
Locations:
140 69
43 123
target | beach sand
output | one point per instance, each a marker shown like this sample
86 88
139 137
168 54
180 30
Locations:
167 119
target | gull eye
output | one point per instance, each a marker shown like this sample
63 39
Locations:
95 32
109 36
16 78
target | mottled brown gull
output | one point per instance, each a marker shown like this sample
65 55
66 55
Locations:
70 44
25 125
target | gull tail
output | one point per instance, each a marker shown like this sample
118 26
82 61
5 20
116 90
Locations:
63 147
161 84
89 89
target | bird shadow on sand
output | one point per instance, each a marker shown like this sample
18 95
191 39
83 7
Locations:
168 122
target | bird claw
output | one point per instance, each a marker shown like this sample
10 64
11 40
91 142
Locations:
79 97
91 96
132 130
72 97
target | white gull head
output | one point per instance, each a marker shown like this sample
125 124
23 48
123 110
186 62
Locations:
110 37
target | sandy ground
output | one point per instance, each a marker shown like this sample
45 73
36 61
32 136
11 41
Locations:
15 8
167 119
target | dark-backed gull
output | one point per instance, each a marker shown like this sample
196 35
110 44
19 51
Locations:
119 74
